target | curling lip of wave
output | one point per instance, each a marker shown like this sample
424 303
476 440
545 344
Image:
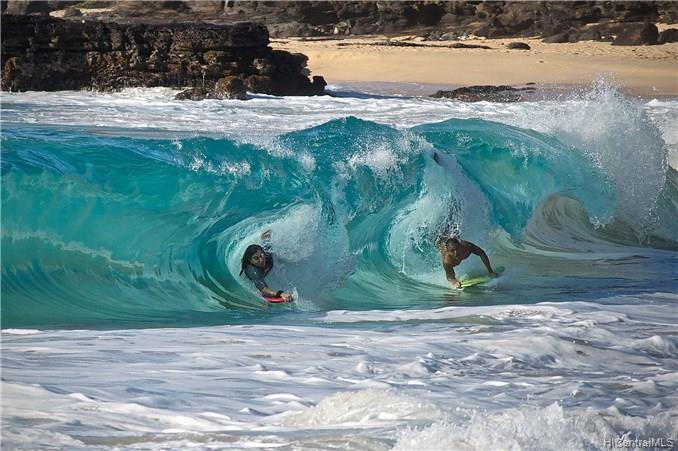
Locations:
369 192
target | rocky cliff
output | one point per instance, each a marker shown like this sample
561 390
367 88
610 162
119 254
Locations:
492 19
43 53
328 18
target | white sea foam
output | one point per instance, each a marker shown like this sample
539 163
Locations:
20 331
562 375
548 428
264 117
364 407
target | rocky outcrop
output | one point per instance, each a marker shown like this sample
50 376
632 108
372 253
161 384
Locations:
459 45
487 93
517 46
494 19
668 35
20 7
490 19
637 34
224 88
43 53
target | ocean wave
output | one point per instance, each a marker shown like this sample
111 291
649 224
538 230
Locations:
113 228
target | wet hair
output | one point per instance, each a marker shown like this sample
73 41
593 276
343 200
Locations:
247 256
445 240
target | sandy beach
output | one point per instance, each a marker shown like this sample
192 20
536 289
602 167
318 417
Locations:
641 70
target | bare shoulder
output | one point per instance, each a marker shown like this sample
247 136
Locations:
471 247
467 244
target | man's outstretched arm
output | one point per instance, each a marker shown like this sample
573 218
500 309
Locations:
451 276
483 257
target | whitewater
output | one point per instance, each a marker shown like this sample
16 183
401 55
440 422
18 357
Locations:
126 324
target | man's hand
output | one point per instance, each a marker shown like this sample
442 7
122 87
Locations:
265 235
493 274
286 297
455 283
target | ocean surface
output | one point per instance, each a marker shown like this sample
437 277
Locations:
126 324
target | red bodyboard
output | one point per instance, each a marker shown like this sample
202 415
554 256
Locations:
274 300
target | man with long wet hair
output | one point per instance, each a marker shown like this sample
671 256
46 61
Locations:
256 263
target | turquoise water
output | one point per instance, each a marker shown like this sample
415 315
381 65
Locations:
109 227
125 324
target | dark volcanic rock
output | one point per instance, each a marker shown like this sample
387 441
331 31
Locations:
498 19
459 45
596 32
517 46
260 83
225 88
72 11
668 35
637 34
590 35
557 38
489 93
456 45
400 44
230 88
25 7
195 94
42 53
